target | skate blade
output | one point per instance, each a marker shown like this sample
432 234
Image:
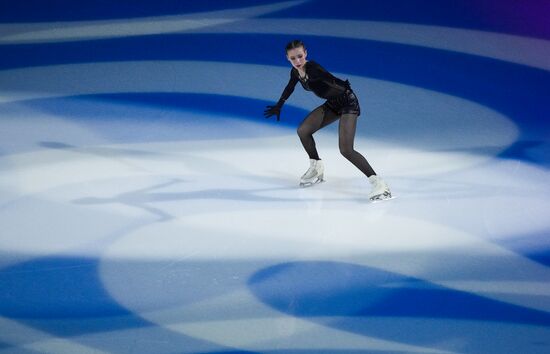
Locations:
381 200
310 184
381 197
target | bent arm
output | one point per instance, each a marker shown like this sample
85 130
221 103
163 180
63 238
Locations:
321 73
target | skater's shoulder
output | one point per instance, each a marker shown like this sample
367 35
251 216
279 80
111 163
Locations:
313 67
313 64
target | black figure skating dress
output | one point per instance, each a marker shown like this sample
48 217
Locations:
338 94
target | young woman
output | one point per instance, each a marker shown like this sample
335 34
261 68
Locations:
341 103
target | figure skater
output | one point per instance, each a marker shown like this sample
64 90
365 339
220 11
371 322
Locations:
341 103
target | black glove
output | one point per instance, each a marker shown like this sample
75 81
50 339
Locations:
274 110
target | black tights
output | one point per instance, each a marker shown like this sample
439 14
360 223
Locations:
321 117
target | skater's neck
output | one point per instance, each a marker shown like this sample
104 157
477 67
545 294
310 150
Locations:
302 70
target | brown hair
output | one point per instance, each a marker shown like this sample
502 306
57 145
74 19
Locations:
295 44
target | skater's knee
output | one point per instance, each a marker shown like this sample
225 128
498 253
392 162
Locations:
303 131
347 151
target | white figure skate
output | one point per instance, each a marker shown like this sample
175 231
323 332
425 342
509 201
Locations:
314 174
380 190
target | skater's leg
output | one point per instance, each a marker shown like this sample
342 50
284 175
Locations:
317 119
346 137
348 125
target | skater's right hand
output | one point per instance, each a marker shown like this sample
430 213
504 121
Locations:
273 111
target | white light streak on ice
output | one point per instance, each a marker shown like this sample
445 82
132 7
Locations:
506 47
26 337
86 30
511 48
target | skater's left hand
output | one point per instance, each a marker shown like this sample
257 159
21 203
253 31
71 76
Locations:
273 110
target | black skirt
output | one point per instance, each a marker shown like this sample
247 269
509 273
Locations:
347 103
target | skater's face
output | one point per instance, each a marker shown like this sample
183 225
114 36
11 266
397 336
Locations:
297 57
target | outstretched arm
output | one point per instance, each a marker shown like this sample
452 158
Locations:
289 89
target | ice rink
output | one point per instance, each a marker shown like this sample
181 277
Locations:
146 206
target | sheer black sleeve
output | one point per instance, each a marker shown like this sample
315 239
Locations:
289 89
